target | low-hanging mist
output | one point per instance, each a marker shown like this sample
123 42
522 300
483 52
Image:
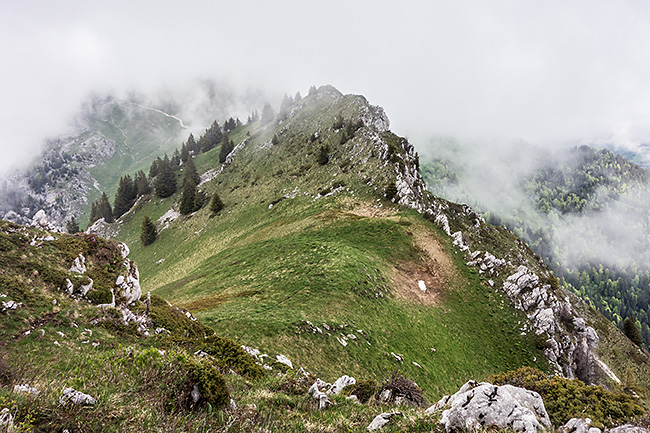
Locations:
586 211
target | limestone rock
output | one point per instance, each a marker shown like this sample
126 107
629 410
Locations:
482 405
79 264
381 420
316 392
341 383
76 397
129 284
7 419
629 428
26 389
284 360
578 425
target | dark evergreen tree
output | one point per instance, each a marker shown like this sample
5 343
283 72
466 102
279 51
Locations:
227 146
275 140
255 116
229 125
104 209
94 213
141 183
165 182
191 145
286 103
267 114
237 122
124 197
632 331
153 171
297 98
148 232
216 204
188 197
184 152
391 190
323 155
176 158
312 90
190 171
72 226
211 138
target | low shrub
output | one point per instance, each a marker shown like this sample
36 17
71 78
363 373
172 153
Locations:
363 389
230 355
571 398
211 383
405 388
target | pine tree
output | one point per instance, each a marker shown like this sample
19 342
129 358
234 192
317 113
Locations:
124 197
165 183
216 204
190 171
391 190
153 171
312 90
184 152
188 197
72 226
176 158
141 183
148 233
267 114
286 103
323 156
104 209
191 145
632 331
297 98
227 146
94 213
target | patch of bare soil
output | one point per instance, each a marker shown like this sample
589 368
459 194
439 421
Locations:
431 273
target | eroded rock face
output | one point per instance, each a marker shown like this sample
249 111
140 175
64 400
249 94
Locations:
341 383
481 405
129 285
629 428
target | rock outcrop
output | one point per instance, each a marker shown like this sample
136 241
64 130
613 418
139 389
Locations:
483 405
381 420
70 395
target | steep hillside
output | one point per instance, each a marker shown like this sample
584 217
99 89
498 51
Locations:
322 259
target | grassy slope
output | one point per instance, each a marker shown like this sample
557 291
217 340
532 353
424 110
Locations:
257 274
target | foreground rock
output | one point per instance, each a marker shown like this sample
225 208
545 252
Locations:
381 420
629 428
483 405
76 397
579 425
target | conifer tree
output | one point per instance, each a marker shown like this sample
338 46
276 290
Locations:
148 232
286 103
188 197
267 114
153 170
176 158
124 197
297 98
184 152
227 146
72 226
104 209
141 183
632 331
165 182
323 156
191 144
216 204
190 171
94 214
312 90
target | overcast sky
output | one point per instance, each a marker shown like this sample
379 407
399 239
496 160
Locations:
549 72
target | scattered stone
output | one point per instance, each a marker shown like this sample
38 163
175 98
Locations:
398 356
284 360
318 395
422 285
162 331
79 265
26 389
629 428
381 420
201 354
417 365
10 305
342 341
233 405
76 397
483 405
341 383
578 425
7 419
353 398
195 394
252 352
56 343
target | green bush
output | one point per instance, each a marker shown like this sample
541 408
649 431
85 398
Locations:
211 383
230 355
174 319
571 398
363 389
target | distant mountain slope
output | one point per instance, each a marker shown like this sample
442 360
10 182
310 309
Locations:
322 258
585 211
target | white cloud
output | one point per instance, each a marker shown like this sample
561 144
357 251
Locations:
547 72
